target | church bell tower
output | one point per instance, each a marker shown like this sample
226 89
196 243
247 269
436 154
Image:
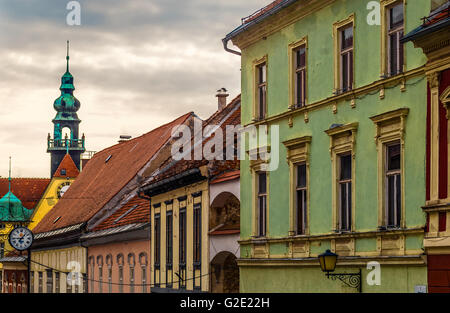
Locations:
66 120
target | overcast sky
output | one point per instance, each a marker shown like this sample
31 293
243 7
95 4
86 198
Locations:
137 64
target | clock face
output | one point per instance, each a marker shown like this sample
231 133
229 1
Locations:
62 189
21 238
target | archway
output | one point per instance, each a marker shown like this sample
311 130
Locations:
225 273
225 211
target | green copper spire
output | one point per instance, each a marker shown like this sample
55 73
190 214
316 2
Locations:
11 208
67 105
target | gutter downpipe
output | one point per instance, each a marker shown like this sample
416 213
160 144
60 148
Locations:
225 46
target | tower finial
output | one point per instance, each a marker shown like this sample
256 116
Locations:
9 178
67 57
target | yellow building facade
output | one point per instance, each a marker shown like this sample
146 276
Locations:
58 270
175 270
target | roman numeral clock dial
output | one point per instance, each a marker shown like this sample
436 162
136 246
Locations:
21 238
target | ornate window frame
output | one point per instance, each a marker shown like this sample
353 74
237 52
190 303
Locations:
336 48
384 6
342 140
297 152
291 55
390 127
256 64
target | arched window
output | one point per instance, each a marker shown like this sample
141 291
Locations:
131 264
91 274
100 272
120 260
109 263
13 280
143 261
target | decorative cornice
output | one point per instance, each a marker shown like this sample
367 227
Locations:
361 91
342 129
346 235
291 143
390 115
342 261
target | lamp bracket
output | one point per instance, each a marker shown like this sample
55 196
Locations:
352 280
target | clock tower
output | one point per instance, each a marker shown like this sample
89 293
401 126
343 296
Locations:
66 119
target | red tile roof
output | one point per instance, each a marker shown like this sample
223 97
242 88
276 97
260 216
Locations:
216 166
136 210
104 176
226 177
261 11
28 190
68 165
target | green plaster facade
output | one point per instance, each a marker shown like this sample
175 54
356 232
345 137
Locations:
278 269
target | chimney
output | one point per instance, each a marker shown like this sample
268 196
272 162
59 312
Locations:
222 98
124 138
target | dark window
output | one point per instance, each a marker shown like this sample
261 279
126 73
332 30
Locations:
100 278
301 199
393 185
109 279
2 250
346 56
57 282
49 281
169 238
183 236
262 203
131 279
262 90
182 253
120 278
300 76
345 192
197 233
157 240
144 279
40 290
63 171
395 33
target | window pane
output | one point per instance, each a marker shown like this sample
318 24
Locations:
347 37
262 183
346 167
398 197
262 215
393 157
301 211
391 200
298 88
396 16
344 72
262 101
343 208
301 57
262 73
393 53
182 229
301 175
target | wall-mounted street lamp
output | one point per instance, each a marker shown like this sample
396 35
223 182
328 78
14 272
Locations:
328 264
